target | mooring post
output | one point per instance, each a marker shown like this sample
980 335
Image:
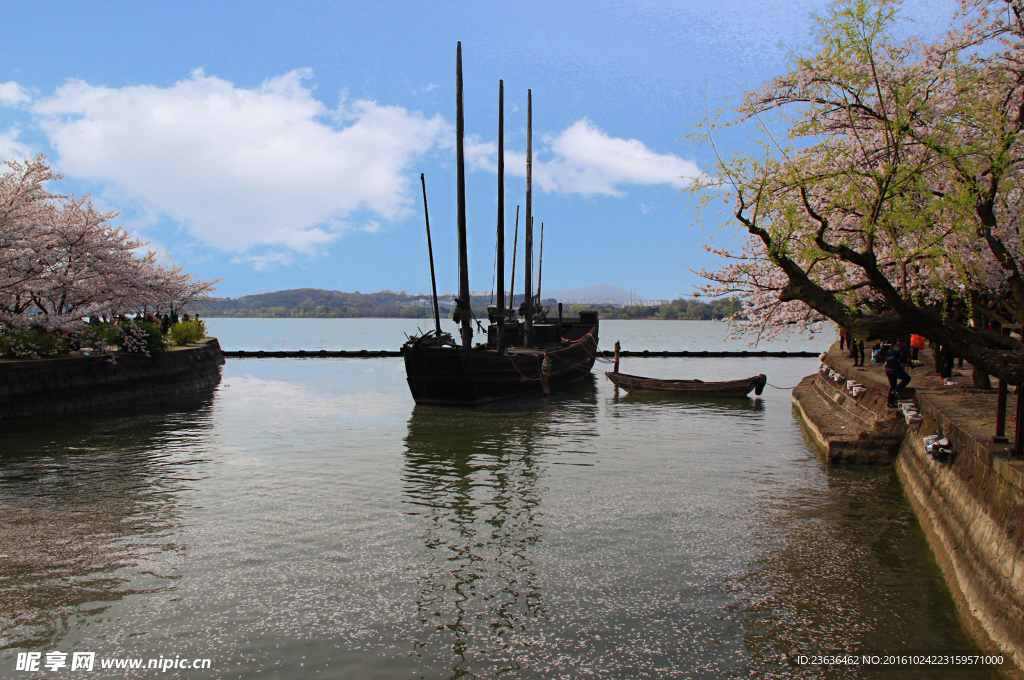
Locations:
1000 436
615 368
1001 398
1018 441
545 376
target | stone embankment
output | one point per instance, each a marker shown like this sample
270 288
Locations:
848 419
971 507
73 384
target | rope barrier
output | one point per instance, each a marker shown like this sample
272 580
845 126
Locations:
780 388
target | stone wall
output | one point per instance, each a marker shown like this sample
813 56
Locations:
74 384
972 510
847 427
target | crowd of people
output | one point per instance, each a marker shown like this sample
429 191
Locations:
896 357
164 320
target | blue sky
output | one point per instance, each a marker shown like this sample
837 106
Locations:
279 145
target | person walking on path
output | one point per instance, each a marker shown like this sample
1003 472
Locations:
895 370
858 348
854 354
844 338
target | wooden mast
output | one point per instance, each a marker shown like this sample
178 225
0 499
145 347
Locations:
501 199
528 240
430 253
499 332
515 246
540 262
464 309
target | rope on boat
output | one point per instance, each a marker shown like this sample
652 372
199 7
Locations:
520 372
601 356
572 364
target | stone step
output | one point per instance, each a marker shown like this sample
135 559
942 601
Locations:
841 433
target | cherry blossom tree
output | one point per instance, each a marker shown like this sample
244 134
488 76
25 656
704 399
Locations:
897 190
62 260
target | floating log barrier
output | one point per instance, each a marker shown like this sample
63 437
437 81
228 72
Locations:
377 353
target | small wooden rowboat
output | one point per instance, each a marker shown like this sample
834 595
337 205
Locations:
728 388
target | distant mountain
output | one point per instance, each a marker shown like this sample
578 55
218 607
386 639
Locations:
600 291
318 303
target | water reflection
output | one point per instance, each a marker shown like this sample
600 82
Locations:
476 478
846 569
722 405
85 503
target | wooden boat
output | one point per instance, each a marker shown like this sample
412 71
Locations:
524 353
728 388
445 373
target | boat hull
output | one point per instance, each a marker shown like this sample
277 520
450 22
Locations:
729 388
458 377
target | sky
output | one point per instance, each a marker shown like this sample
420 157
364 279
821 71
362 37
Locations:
279 145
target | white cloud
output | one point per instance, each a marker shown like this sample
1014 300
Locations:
482 155
12 94
270 171
262 263
241 168
10 148
582 159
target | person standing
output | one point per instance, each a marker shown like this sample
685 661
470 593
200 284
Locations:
946 373
844 337
895 370
917 343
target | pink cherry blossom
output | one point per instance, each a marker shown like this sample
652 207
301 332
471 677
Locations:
898 191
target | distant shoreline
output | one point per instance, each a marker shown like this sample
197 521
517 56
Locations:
425 318
314 303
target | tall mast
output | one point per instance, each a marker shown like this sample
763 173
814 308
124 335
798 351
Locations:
528 240
501 198
460 161
515 247
430 253
540 262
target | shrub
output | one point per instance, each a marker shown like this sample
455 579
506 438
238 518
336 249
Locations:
187 332
141 336
31 342
100 336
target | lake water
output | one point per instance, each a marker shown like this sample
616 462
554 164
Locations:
374 334
306 519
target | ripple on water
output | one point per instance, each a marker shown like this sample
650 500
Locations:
308 519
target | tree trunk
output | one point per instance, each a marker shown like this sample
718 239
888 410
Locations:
981 381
